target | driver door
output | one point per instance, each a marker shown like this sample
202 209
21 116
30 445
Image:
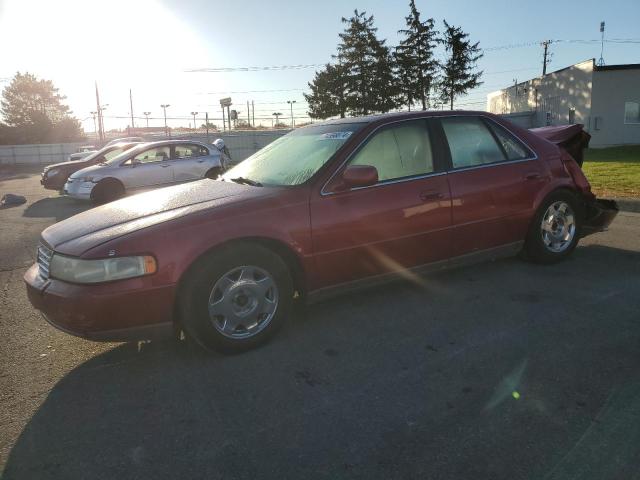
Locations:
401 222
149 168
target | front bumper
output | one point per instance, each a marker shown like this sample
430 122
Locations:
599 213
78 189
127 310
55 182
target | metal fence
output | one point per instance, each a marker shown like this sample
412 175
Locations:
241 144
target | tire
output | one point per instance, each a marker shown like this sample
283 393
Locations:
213 173
107 191
555 230
236 298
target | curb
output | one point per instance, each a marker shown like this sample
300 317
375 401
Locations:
628 204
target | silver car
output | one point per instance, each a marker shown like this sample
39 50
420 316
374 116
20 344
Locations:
148 165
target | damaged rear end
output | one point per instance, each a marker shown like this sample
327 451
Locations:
572 141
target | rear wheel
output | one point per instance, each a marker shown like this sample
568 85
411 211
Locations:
237 298
106 191
555 230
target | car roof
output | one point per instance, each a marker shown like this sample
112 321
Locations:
176 142
385 117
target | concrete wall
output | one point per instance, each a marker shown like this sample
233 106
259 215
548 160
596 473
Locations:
611 89
241 145
522 119
37 154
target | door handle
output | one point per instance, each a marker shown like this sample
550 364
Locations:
165 166
200 161
431 195
532 176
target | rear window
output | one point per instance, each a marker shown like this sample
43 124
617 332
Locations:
513 148
471 143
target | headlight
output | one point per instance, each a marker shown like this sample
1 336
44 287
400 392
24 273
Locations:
95 271
52 172
88 179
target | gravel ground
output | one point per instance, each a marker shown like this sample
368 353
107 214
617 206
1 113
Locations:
504 370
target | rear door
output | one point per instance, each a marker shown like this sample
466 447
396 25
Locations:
494 179
401 222
149 168
190 161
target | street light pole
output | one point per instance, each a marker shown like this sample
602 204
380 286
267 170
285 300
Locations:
164 107
194 119
95 128
146 114
291 102
101 114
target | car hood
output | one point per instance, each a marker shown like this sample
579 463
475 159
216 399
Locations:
91 169
71 164
98 225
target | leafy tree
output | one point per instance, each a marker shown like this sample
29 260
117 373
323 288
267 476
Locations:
367 67
416 66
33 108
457 72
327 97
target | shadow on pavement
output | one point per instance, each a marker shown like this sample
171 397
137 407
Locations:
60 208
388 383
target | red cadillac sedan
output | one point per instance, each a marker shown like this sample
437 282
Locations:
324 209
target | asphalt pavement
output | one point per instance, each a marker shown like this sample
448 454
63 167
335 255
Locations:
504 370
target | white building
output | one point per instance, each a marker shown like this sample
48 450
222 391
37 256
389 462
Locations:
605 99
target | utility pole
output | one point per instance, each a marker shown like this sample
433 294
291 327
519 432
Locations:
194 120
206 124
99 112
164 107
601 59
131 107
146 114
248 114
253 114
547 56
515 96
291 102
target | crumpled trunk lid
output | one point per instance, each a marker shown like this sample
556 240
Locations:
571 138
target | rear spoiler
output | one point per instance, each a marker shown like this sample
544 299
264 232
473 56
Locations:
572 138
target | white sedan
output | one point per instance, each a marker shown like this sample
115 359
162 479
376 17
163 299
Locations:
148 165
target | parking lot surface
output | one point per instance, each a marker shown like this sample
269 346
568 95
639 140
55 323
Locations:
500 370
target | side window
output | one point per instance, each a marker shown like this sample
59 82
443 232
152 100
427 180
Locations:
188 151
511 146
470 142
157 154
632 112
398 152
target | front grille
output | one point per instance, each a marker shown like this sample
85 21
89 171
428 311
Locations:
44 259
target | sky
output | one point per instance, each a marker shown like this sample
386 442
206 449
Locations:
149 46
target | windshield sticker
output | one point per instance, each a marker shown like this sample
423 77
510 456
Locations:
335 136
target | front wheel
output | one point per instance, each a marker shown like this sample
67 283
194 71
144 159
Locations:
106 191
555 230
236 299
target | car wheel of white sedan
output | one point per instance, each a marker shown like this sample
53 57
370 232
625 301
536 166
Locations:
236 298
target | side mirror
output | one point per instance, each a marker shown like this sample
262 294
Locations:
355 176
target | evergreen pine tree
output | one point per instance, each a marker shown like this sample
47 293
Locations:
416 67
457 72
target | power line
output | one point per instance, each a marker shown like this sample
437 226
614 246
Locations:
253 68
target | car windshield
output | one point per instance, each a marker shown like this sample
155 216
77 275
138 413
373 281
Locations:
295 157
